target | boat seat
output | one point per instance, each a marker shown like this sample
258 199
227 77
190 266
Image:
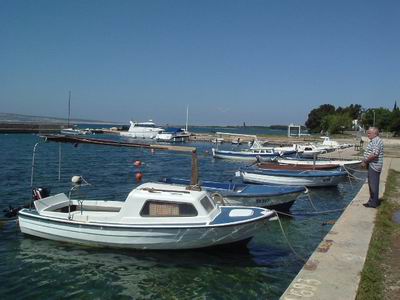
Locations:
54 202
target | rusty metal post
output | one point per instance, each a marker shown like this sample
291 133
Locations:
195 169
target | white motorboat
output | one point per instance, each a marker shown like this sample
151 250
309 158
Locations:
153 216
258 145
171 135
142 130
75 131
310 150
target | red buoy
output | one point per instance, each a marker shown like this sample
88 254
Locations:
139 176
137 163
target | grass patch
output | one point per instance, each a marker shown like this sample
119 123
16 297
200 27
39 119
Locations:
372 277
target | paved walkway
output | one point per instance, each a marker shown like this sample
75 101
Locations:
333 270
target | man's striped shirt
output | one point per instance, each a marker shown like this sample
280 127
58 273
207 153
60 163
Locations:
375 147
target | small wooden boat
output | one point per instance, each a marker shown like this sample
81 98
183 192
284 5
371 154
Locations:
309 178
319 162
154 216
277 166
276 197
250 155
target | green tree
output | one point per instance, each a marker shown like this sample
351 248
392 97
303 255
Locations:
335 123
316 115
381 116
395 122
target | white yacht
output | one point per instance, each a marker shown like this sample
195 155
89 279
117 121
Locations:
142 130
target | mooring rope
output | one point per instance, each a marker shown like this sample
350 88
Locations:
351 176
287 240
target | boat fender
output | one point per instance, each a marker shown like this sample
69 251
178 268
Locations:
139 176
76 180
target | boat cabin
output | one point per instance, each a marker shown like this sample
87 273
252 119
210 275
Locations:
149 203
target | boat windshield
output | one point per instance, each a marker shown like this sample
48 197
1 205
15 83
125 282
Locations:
147 125
207 204
156 208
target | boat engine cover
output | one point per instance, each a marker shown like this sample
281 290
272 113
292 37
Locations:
40 193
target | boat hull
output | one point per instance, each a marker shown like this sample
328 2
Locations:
137 236
325 162
308 181
243 155
270 197
148 135
281 203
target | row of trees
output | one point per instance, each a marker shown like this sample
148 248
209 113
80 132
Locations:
327 118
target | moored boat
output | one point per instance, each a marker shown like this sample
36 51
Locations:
279 198
309 178
251 155
153 216
318 162
172 134
142 130
278 166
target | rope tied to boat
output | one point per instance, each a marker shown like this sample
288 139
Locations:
287 240
351 176
307 192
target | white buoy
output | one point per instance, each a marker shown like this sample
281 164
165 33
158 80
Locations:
76 179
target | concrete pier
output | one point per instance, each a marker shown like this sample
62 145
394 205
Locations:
333 270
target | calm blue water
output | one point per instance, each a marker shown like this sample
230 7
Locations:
32 268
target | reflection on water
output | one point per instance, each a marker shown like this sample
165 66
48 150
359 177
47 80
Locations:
37 268
137 274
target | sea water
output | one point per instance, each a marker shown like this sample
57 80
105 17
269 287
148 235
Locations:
34 268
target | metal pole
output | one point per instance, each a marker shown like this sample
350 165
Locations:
59 161
69 107
374 118
33 162
32 171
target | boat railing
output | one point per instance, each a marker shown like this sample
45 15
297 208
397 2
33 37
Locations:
77 181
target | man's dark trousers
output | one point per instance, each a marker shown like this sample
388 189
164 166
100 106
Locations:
373 183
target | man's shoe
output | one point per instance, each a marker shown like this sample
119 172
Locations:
369 205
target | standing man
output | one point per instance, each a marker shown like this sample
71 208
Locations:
373 160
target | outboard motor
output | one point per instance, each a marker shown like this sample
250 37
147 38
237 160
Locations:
40 193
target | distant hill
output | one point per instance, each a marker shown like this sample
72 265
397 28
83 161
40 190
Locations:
18 118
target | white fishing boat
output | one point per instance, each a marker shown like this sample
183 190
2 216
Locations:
153 216
142 130
75 131
249 154
310 150
258 145
319 162
309 178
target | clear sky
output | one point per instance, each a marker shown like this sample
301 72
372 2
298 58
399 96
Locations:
260 62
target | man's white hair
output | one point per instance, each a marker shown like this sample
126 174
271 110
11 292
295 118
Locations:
374 130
